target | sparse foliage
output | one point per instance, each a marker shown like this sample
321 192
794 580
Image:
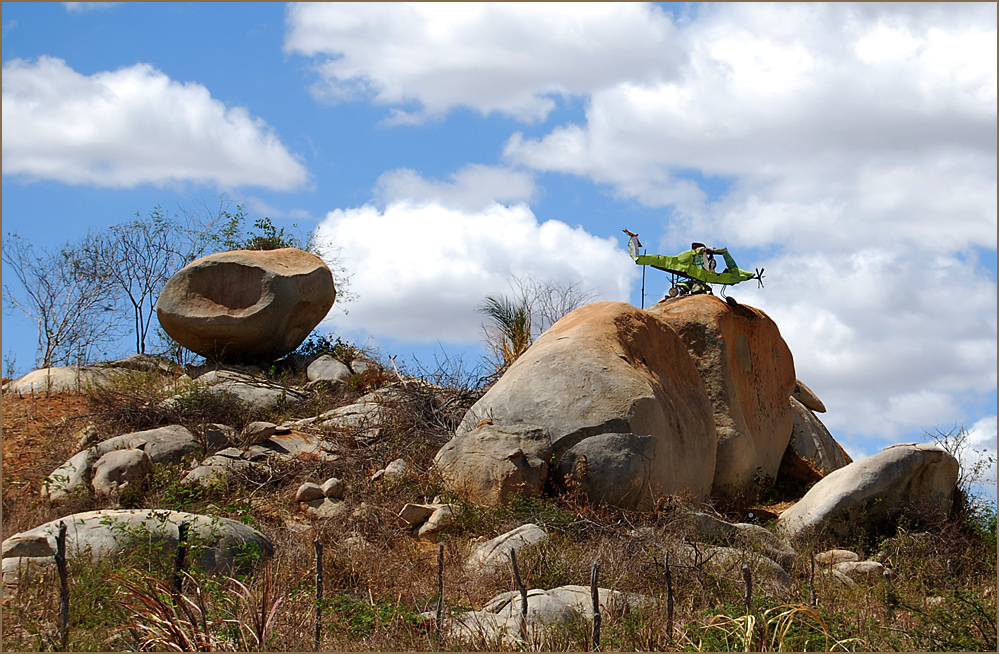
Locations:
514 323
70 300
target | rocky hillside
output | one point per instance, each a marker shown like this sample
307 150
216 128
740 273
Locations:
674 448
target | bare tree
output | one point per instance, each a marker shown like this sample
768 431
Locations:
138 257
71 303
549 300
516 322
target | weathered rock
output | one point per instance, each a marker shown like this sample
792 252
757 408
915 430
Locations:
17 569
361 363
246 305
831 557
326 368
101 534
491 463
61 379
257 393
768 575
308 491
746 536
618 374
748 372
163 445
325 508
917 478
146 363
416 514
499 620
813 441
365 420
218 435
86 437
443 517
854 569
396 469
807 397
333 488
282 446
258 432
70 478
120 467
495 554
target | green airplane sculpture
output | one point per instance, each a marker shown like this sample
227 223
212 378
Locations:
695 269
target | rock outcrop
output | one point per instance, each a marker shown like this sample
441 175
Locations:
246 305
813 441
623 405
100 534
917 478
748 372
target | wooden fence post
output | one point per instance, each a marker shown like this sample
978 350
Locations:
319 596
595 597
523 595
669 599
60 559
178 562
814 598
440 588
747 576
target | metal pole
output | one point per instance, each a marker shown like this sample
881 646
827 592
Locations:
595 597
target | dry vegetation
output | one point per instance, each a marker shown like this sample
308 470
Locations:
942 596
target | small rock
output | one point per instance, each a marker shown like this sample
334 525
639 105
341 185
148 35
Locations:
416 514
441 519
378 475
397 468
218 435
120 467
495 554
258 432
839 576
333 488
324 508
308 492
832 557
86 437
862 568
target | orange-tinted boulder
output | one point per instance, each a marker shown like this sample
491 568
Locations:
623 404
246 305
748 372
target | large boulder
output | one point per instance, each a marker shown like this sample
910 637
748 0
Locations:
620 399
491 463
120 467
748 372
224 544
919 479
61 379
813 441
246 305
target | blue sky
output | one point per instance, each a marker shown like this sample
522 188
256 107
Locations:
849 149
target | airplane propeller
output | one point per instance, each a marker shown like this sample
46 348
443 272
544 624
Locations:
759 276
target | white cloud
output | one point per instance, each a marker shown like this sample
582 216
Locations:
427 59
420 269
892 344
982 442
133 126
82 7
472 188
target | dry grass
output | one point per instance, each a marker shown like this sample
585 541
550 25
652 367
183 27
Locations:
376 589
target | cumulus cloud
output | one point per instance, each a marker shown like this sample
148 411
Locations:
419 269
473 188
133 126
427 59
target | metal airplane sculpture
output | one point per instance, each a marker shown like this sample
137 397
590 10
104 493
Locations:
695 269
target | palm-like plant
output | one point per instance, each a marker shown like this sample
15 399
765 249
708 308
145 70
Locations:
510 333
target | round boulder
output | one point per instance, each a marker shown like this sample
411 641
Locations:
748 372
618 400
246 305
